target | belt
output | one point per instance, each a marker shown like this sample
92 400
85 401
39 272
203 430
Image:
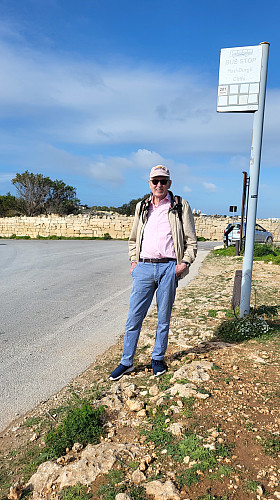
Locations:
158 261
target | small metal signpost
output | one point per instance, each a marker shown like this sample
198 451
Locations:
233 209
242 88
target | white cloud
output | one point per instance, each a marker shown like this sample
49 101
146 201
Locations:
6 177
210 186
187 189
145 159
81 102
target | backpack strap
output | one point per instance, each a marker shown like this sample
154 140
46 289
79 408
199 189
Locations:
144 207
178 207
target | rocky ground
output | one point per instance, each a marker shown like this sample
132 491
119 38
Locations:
207 429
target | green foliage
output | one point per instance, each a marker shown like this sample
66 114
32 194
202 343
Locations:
107 236
137 492
188 406
271 445
261 250
212 313
41 195
129 208
109 490
227 252
267 311
32 421
164 381
77 492
239 329
204 458
9 206
252 486
82 425
158 433
268 253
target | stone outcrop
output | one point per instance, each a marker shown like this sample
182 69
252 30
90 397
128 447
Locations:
93 460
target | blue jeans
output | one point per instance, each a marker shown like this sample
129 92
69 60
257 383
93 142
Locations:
148 278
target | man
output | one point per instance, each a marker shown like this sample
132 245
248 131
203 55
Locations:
162 246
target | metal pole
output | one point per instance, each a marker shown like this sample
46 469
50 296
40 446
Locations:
242 209
253 188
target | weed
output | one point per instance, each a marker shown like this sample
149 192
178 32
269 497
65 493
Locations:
32 421
221 472
188 404
109 490
77 492
252 486
164 382
182 381
239 329
138 493
133 465
216 368
82 425
212 313
262 250
203 458
96 391
271 445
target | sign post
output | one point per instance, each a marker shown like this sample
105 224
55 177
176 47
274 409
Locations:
242 87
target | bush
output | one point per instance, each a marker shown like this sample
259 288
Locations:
262 250
82 425
239 329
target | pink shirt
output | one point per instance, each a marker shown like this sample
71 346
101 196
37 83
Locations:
157 240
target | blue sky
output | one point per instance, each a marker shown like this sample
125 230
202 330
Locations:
96 92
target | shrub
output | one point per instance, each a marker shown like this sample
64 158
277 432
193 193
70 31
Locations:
107 236
239 329
261 250
82 425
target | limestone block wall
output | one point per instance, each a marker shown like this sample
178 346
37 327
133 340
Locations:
117 226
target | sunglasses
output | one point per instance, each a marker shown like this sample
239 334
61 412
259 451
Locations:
162 181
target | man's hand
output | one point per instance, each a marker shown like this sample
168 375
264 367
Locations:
133 265
180 268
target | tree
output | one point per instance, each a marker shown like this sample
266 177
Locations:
41 195
62 199
33 190
8 206
129 208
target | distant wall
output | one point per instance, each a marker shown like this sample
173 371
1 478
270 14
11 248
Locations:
117 226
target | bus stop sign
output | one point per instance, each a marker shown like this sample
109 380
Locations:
239 79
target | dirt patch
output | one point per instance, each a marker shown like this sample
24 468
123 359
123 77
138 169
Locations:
234 417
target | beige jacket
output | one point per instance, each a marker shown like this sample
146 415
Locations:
183 234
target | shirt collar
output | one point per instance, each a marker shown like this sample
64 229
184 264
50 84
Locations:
167 198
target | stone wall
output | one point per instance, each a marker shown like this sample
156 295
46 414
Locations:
117 226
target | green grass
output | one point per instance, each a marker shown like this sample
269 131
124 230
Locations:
112 487
77 492
81 425
271 445
177 449
267 253
212 313
252 486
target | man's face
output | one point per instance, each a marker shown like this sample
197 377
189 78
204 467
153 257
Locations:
158 189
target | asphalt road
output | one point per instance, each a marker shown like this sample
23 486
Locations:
63 303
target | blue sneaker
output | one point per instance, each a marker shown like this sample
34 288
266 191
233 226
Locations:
159 367
120 371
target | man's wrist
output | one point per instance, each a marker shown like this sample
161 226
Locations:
187 263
